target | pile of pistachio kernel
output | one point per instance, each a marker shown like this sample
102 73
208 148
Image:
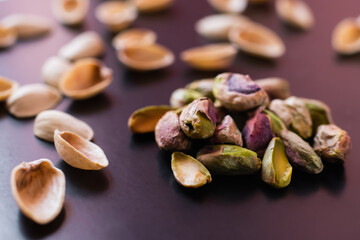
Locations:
284 131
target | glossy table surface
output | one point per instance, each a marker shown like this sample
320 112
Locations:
136 197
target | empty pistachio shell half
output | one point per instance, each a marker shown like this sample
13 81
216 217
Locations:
238 92
320 113
204 86
227 132
276 88
258 40
48 121
134 37
295 12
38 188
229 6
182 96
301 119
277 125
86 44
86 78
116 15
168 134
144 120
146 57
7 36
346 36
70 12
7 87
300 153
188 171
229 160
152 5
79 152
332 143
276 169
281 110
53 69
210 57
31 99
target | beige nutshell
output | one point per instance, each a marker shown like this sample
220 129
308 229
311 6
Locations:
346 36
7 87
295 12
8 36
134 37
31 99
70 12
38 188
48 121
53 69
79 152
229 6
152 5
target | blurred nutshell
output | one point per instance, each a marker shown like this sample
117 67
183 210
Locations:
7 87
8 36
70 12
134 37
229 6
295 13
53 69
147 6
346 36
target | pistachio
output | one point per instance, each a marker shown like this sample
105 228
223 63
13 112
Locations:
53 69
7 87
295 12
300 153
346 36
146 57
301 122
144 120
70 12
147 6
48 121
116 15
8 36
39 190
229 6
332 143
227 132
198 119
79 152
86 44
182 96
31 99
210 57
188 171
168 134
134 37
229 160
238 92
281 110
276 169
277 125
86 78
276 88
204 86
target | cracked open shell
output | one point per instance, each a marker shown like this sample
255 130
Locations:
38 188
210 57
152 5
133 37
346 36
146 57
116 15
86 78
229 6
7 87
7 36
70 12
53 69
79 152
258 40
295 12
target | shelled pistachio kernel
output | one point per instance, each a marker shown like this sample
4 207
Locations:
227 132
182 96
188 171
276 169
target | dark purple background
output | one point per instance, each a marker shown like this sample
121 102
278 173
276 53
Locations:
136 197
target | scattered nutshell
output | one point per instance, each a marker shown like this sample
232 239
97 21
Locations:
31 99
229 160
70 12
86 44
7 87
134 37
210 57
227 132
38 188
146 57
8 36
276 169
346 36
53 69
182 96
79 152
48 121
147 6
203 86
276 88
86 78
295 13
144 120
116 15
332 143
229 6
188 171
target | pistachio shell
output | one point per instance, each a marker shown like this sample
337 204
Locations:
39 190
182 96
86 44
227 132
301 119
7 87
116 15
229 6
276 88
295 12
258 40
86 78
281 110
7 36
346 36
188 171
229 160
70 12
134 37
210 57
146 57
48 121
31 99
152 5
204 86
277 125
53 69
79 152
144 120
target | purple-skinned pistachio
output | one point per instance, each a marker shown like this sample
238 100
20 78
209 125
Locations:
227 132
238 92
